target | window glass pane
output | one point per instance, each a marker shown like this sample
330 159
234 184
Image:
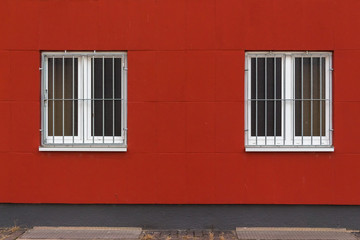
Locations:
106 106
309 114
298 96
266 84
118 96
62 106
319 90
307 96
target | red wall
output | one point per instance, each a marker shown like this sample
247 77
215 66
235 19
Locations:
186 101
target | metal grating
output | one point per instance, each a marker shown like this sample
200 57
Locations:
81 233
294 234
288 99
84 99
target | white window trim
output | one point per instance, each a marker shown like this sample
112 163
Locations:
289 149
82 149
288 142
83 141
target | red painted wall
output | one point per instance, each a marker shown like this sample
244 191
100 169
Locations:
186 101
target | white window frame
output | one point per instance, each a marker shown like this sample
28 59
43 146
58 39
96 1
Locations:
84 141
288 142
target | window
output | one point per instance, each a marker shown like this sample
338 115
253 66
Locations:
288 101
83 101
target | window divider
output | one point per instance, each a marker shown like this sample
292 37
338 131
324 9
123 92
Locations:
73 98
320 97
256 99
275 102
103 97
302 101
63 101
284 97
53 97
113 96
93 101
312 98
266 100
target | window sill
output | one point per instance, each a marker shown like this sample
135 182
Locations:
289 149
82 149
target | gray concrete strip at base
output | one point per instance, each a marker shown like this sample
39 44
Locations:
128 233
71 233
294 234
188 234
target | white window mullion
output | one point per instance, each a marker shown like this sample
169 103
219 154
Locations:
87 103
122 103
45 129
80 96
247 101
328 102
123 138
289 100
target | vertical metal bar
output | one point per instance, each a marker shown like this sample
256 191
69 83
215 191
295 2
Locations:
63 96
330 98
284 103
265 101
113 88
83 98
256 99
293 100
103 101
302 101
73 97
93 101
53 99
312 97
320 98
248 96
275 100
122 98
123 93
44 101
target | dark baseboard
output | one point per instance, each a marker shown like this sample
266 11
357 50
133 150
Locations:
180 216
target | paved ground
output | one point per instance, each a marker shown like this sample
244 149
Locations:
193 234
188 235
201 234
